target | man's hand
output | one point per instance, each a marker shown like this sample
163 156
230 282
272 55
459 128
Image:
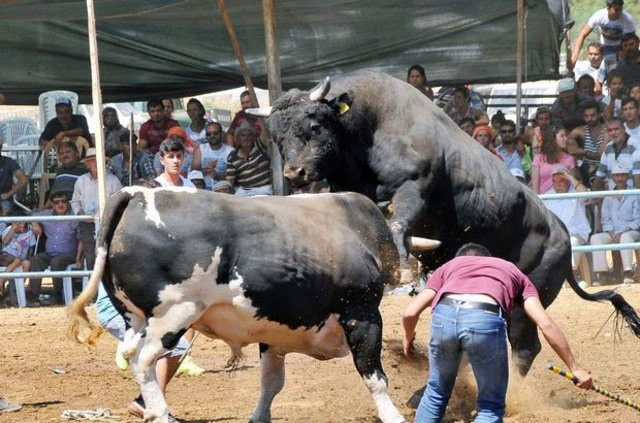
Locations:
615 238
407 345
585 380
5 196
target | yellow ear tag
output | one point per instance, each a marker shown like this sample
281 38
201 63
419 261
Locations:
344 108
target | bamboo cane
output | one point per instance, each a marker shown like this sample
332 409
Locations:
597 388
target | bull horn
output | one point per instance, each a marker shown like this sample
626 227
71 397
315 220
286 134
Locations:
318 92
259 111
423 244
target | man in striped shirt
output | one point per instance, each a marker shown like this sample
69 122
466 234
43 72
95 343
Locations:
248 167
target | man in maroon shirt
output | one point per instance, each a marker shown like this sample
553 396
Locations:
154 130
471 296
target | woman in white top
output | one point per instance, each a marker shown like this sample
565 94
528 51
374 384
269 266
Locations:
196 129
172 156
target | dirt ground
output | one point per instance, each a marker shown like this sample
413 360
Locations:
48 374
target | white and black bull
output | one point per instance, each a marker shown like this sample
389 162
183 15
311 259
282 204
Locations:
296 274
371 133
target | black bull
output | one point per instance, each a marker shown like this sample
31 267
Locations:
371 133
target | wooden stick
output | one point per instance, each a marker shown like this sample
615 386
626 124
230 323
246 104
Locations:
131 150
597 388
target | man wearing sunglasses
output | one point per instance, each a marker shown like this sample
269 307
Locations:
211 159
62 247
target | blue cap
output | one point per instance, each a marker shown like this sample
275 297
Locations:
63 101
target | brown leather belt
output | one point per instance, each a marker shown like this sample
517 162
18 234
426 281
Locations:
491 308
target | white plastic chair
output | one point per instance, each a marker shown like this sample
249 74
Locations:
47 105
19 287
12 129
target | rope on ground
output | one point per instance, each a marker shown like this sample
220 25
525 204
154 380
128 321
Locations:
97 414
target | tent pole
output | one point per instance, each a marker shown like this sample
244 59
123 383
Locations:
226 20
275 86
271 43
519 57
96 95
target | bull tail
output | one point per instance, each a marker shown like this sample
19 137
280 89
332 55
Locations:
621 305
80 328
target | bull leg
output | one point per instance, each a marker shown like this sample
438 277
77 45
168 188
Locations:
407 209
271 382
525 344
364 336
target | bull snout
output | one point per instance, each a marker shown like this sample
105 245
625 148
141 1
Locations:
296 175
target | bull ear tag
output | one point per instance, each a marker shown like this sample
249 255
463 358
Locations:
343 108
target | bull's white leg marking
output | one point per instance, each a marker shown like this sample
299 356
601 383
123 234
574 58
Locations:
144 367
387 412
271 383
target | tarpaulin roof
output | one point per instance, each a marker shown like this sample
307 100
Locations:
174 48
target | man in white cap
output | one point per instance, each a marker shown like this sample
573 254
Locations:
567 111
570 211
620 219
85 201
196 177
66 124
249 166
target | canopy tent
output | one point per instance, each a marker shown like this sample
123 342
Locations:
173 48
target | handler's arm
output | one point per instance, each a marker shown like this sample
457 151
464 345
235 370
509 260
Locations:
411 315
556 340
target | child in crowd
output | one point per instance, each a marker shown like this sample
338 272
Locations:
16 241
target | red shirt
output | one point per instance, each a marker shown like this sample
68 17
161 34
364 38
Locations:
498 278
154 135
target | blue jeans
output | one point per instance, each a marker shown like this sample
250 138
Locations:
482 336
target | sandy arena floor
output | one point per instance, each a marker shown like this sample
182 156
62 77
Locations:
48 374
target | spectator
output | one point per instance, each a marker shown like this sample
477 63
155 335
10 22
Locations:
417 77
85 201
62 247
196 129
460 105
629 69
154 130
65 125
248 167
553 154
613 24
631 120
172 159
617 150
496 123
471 297
483 134
167 108
507 149
593 66
542 123
620 221
630 43
611 105
241 117
10 170
69 170
567 110
142 167
586 85
17 243
211 159
197 179
586 142
112 131
570 211
190 148
467 125
634 90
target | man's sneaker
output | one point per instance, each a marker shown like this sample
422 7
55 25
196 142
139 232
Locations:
189 367
6 406
628 276
121 362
